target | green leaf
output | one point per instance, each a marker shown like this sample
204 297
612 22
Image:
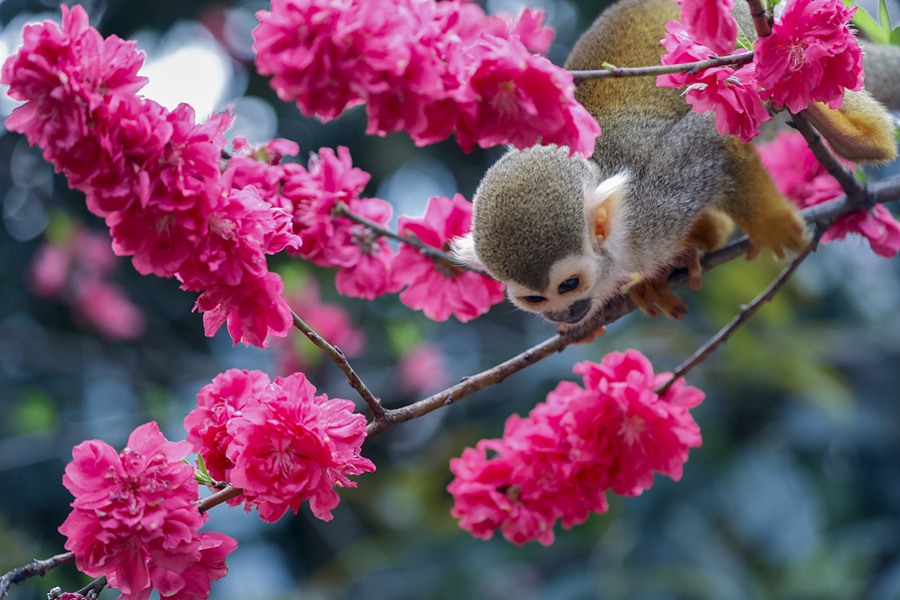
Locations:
868 25
403 336
35 414
883 17
895 36
201 474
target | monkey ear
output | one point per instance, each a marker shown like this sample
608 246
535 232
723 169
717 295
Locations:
601 205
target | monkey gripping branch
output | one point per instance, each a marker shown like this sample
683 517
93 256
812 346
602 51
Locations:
272 445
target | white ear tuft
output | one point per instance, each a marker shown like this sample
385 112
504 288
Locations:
608 188
464 250
601 208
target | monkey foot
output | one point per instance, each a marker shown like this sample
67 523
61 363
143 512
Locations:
653 295
783 232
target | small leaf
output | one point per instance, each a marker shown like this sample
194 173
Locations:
883 17
202 475
895 36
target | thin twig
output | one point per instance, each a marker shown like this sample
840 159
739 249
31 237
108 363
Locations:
223 495
36 568
761 19
747 311
691 67
822 214
852 187
343 210
335 354
93 589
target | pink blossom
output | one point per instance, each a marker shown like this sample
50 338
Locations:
523 99
67 70
558 463
241 230
733 97
803 179
76 271
295 446
437 288
710 23
107 308
49 271
217 403
135 519
154 175
486 496
424 67
423 369
331 179
811 55
877 225
253 310
731 94
365 264
623 424
261 167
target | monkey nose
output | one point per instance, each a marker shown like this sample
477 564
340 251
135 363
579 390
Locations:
575 313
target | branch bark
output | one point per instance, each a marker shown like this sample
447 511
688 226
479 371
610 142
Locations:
33 569
745 313
692 67
335 354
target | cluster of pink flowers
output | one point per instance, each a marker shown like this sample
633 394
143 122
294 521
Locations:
367 265
135 518
76 270
425 67
153 175
437 288
278 442
558 463
810 56
803 179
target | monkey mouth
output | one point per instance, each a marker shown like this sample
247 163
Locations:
571 316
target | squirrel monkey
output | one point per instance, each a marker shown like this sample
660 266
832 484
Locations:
566 234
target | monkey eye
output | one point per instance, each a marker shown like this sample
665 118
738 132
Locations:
533 299
568 285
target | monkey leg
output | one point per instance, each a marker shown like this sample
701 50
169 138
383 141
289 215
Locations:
708 233
768 218
653 295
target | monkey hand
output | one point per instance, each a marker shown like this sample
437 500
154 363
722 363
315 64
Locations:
653 295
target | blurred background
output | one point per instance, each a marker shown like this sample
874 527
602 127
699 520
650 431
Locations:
795 492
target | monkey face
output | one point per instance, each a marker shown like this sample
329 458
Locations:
573 294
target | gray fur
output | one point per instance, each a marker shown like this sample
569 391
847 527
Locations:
529 211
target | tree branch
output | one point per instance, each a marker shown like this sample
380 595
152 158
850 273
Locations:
33 569
745 313
93 589
344 211
852 187
220 497
692 67
822 215
761 19
335 354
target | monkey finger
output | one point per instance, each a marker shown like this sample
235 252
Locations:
592 335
